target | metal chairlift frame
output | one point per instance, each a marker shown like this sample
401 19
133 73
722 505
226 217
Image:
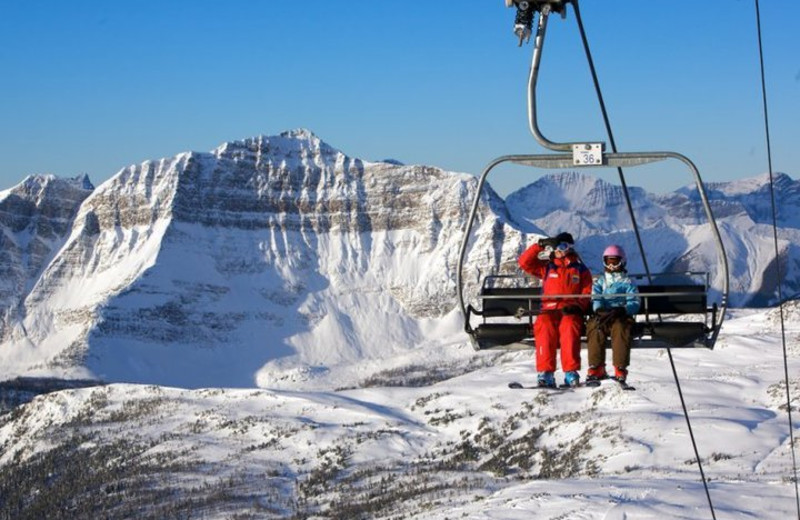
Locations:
592 155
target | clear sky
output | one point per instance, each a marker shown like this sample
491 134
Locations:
91 86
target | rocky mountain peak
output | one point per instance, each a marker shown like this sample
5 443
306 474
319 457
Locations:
35 218
43 188
293 145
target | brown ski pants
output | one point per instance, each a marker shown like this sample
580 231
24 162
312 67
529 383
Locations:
619 328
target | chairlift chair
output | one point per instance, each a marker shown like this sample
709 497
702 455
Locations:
672 315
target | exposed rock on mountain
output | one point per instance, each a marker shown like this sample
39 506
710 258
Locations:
217 263
35 217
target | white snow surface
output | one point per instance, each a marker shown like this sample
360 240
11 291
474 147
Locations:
633 448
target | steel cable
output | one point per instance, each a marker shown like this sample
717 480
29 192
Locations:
639 241
777 256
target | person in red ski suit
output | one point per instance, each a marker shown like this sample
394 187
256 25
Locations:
555 262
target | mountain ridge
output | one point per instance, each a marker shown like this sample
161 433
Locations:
240 257
270 260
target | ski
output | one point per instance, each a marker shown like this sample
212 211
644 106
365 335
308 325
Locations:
516 386
596 382
623 384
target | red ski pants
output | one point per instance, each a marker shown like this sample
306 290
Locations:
552 330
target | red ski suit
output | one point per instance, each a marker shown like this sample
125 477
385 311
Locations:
553 328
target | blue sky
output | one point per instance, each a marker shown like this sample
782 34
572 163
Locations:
93 86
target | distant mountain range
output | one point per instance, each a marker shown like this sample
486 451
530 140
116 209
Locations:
674 229
278 258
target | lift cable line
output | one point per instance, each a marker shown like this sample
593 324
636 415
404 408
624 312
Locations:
611 139
777 257
641 247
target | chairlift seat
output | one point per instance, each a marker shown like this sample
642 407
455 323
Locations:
655 326
690 298
505 334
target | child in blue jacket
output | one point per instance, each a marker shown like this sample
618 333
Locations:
613 316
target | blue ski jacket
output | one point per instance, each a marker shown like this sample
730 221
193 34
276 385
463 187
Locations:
619 284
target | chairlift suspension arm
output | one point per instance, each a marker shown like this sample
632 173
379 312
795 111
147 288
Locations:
538 46
544 8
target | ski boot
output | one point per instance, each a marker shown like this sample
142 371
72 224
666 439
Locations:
596 373
572 378
546 379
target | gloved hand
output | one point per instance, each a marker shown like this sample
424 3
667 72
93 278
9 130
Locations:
573 310
548 242
606 316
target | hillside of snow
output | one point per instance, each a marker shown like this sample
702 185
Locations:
440 437
270 330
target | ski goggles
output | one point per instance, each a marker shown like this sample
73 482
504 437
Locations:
563 247
612 260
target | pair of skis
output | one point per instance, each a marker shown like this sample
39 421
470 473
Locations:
591 384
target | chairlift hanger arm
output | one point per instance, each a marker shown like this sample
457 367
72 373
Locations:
538 46
591 150
538 42
588 150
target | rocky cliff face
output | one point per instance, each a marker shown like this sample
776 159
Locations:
262 249
35 217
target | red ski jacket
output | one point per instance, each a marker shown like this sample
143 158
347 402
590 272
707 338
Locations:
567 275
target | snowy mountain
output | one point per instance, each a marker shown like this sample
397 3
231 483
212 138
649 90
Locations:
270 261
227 268
674 230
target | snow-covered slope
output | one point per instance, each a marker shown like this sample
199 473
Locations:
328 282
458 445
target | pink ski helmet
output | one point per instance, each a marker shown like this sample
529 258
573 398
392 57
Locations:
614 251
